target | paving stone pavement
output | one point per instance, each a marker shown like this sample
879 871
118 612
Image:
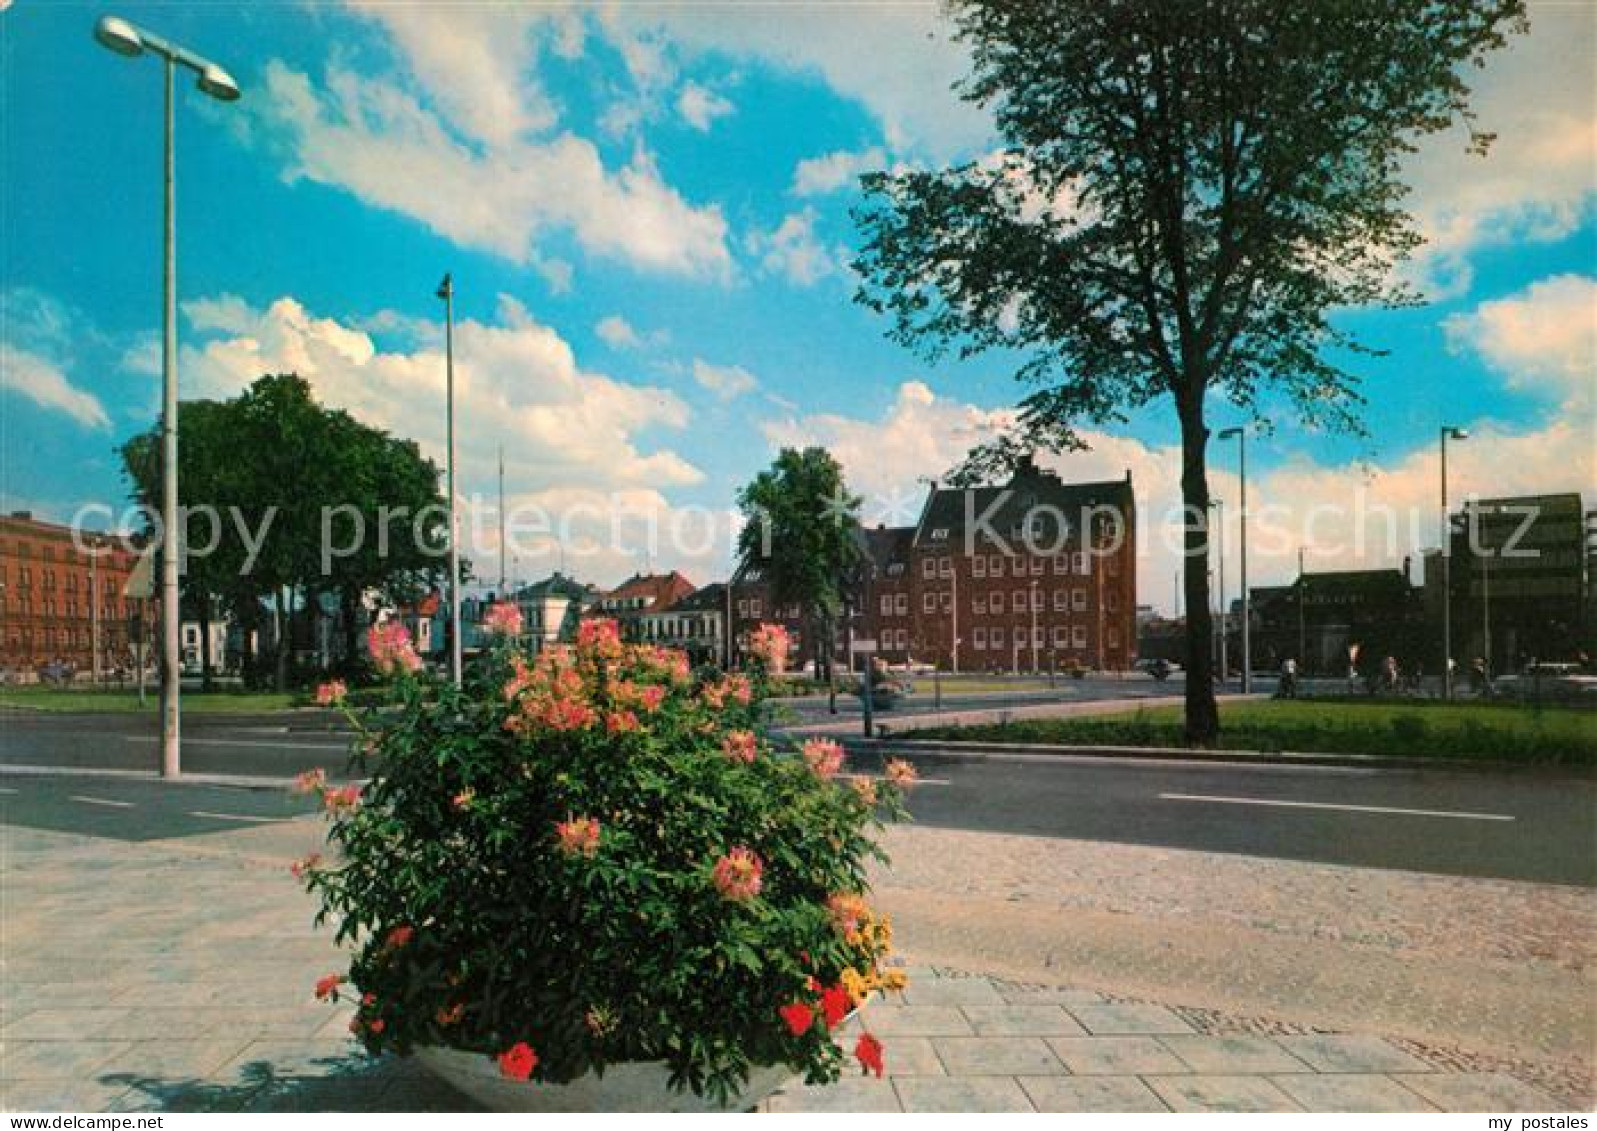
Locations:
151 974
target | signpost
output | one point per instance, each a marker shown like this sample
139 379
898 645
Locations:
866 648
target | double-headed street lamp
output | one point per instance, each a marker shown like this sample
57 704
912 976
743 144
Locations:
1241 437
1448 432
126 39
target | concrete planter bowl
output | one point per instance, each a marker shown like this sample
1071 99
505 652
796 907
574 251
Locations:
633 1086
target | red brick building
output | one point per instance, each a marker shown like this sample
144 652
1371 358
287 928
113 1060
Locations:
1026 576
60 593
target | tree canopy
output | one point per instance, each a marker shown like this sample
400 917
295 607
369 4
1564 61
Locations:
1187 192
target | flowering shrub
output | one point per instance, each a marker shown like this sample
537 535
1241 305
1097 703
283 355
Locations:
590 856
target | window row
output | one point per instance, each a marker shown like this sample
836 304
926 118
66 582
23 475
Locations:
1020 601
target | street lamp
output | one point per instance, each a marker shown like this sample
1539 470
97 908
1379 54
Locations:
1241 436
1448 432
446 291
128 40
1218 506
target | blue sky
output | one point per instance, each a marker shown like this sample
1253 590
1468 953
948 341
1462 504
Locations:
646 212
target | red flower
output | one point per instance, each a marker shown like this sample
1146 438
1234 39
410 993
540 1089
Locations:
399 937
376 1025
327 987
869 1052
798 1016
518 1061
835 1004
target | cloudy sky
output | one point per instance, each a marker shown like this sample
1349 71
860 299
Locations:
645 209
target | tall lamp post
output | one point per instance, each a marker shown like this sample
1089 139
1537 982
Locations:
1448 432
446 291
1241 436
1218 506
126 39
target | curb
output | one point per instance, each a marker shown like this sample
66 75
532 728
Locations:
950 751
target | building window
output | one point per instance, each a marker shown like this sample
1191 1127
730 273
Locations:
887 604
1083 563
1019 602
1061 600
1036 600
901 604
997 637
1036 566
1037 637
948 602
743 607
928 567
979 637
1061 636
995 566
978 566
928 602
945 567
998 602
1078 636
754 606
978 604
1061 563
1078 600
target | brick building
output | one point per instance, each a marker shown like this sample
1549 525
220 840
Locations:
60 594
1019 577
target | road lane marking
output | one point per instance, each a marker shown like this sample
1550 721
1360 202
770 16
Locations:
1155 764
241 817
7 791
241 742
1328 805
101 801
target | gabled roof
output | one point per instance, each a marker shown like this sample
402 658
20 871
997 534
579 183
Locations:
888 544
1007 506
557 585
710 599
658 590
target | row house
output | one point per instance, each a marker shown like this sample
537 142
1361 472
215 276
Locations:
696 624
638 596
64 599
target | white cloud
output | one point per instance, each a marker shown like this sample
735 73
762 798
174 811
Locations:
816 176
617 332
1351 516
701 106
377 141
518 384
41 381
793 250
1536 183
1543 338
725 381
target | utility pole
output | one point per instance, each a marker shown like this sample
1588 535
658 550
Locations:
501 522
94 610
446 291
1448 432
1225 667
1303 631
1034 642
1241 436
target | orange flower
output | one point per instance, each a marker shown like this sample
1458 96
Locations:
620 722
342 799
901 773
823 756
578 836
327 988
311 781
739 746
864 789
452 1015
518 1061
302 868
332 693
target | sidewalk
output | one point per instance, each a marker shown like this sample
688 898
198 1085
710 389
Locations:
150 971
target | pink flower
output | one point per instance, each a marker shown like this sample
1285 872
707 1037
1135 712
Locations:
823 756
599 638
332 693
502 618
901 773
390 648
651 696
299 869
463 800
739 875
769 645
620 722
518 1061
311 781
739 745
342 799
578 836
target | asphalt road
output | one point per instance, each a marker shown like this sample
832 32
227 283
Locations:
1524 826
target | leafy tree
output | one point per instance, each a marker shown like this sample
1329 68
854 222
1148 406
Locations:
803 533
1188 189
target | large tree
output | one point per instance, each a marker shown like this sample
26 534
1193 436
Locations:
802 532
1187 191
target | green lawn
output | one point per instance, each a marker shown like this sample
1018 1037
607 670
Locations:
215 702
1452 730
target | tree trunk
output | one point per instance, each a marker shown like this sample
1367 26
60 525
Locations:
283 629
205 642
1203 715
349 612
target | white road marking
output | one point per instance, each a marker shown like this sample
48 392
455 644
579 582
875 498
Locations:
241 817
342 746
1328 805
918 781
7 791
1068 760
101 801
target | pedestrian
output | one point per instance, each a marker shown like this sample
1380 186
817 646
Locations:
1289 678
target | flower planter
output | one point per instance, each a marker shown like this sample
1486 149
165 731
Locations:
633 1086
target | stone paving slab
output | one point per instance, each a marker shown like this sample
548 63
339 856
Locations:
1126 1020
1115 1056
1231 1056
1091 1094
971 1093
1345 1052
1221 1093
1350 1092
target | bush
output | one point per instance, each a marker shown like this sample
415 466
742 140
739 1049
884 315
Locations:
593 857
